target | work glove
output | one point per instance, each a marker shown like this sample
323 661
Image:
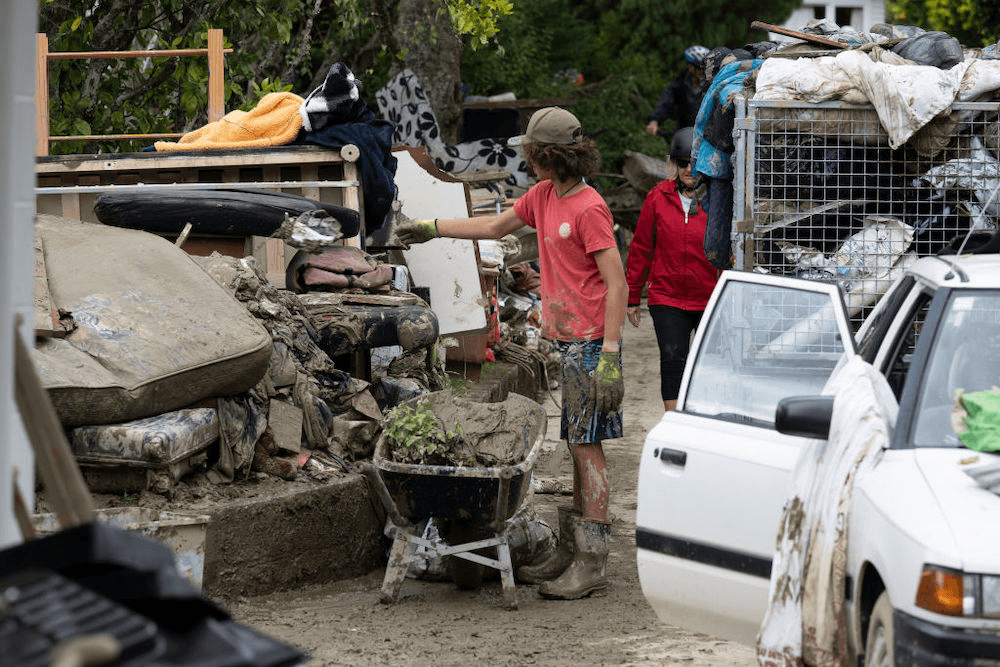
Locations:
416 231
609 387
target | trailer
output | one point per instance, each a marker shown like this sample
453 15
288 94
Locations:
846 163
818 191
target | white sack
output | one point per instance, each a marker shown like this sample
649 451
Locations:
805 79
905 97
981 78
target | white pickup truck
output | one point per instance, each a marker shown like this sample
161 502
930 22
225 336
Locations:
920 533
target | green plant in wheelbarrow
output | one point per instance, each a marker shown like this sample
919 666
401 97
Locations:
466 465
416 435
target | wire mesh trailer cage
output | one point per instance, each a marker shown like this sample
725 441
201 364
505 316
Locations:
819 193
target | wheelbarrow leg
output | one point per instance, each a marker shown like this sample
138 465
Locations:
507 576
395 569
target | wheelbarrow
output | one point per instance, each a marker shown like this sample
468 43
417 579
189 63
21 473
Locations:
470 504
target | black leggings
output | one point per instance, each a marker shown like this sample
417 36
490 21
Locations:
673 328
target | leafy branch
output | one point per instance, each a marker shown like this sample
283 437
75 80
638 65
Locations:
416 435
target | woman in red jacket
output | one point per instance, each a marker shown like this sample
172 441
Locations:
667 253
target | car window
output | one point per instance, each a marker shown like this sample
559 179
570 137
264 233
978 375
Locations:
898 367
965 356
874 329
762 343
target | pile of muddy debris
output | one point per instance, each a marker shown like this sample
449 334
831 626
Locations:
202 370
168 364
855 153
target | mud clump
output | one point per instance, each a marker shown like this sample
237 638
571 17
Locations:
440 428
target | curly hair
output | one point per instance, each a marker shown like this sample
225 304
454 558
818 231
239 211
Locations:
567 161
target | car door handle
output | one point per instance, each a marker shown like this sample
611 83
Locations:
674 456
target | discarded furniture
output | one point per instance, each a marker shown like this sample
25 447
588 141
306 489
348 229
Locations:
448 267
68 186
154 332
357 323
152 453
216 85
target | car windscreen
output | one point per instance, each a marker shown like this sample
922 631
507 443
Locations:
965 357
762 343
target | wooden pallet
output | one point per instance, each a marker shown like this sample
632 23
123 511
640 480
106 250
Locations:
68 185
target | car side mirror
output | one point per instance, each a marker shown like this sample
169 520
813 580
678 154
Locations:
807 416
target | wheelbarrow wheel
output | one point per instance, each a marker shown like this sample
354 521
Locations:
466 574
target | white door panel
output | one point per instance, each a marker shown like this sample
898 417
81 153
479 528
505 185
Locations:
730 489
738 619
714 475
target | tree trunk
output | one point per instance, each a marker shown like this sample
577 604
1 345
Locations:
433 51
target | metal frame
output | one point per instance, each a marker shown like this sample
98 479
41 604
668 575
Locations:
811 178
214 51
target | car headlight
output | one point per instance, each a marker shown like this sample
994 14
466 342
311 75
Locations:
954 593
990 587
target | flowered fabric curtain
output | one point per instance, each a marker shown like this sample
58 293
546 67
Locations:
404 102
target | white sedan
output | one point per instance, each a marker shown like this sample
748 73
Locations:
912 541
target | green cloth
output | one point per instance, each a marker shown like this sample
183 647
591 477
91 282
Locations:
983 420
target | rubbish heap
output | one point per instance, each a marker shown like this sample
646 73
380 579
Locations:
842 155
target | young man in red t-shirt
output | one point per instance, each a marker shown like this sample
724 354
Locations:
583 309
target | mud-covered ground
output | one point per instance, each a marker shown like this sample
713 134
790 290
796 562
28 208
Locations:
435 623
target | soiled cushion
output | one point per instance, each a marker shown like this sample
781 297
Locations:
155 332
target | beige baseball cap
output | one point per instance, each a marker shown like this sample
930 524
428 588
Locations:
551 125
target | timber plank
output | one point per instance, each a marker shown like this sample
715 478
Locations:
188 159
46 316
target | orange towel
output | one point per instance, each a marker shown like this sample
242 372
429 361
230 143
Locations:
274 121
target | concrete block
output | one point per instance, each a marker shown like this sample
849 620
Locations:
302 538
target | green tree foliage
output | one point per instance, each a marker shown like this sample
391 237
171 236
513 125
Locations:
613 56
972 22
479 19
626 52
161 94
276 45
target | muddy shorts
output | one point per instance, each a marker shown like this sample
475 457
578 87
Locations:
580 423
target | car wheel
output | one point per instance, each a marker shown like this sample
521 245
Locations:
879 647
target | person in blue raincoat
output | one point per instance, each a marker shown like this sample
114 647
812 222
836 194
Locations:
712 151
